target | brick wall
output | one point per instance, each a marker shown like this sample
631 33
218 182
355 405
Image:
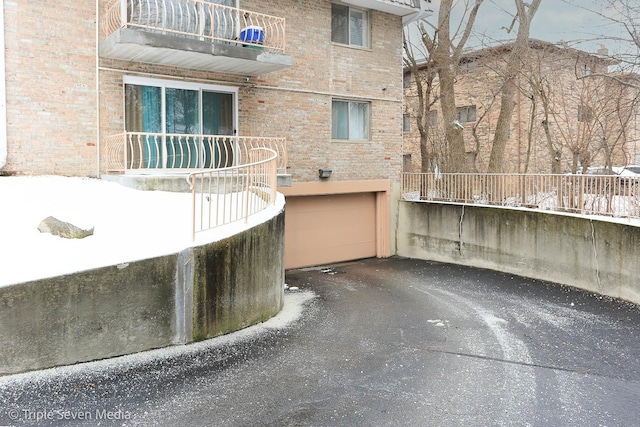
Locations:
296 102
51 91
525 152
50 83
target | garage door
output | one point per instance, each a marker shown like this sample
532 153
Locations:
329 228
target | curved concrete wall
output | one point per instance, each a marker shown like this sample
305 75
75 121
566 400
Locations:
176 299
596 255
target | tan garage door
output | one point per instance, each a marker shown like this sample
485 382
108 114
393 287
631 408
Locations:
331 228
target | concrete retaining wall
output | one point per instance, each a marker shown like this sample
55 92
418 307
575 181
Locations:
596 255
176 299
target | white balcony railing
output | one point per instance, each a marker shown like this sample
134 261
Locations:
157 152
410 3
226 195
608 195
197 19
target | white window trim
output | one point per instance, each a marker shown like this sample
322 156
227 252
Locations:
348 140
369 32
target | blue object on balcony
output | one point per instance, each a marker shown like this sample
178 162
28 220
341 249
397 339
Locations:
252 34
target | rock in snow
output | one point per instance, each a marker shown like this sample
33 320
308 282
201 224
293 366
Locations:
63 229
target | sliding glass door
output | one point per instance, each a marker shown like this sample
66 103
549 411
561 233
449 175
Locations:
182 117
143 115
176 125
217 119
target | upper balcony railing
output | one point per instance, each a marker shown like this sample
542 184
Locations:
197 19
158 152
409 10
410 3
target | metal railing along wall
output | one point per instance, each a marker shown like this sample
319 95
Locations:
609 195
197 19
143 151
411 3
225 195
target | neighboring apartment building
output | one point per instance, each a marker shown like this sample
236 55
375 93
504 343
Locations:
591 120
157 87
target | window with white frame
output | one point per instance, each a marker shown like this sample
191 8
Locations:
350 120
467 114
350 25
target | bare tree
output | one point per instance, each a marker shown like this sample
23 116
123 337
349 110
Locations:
515 62
626 15
444 48
616 105
447 56
424 75
538 75
623 30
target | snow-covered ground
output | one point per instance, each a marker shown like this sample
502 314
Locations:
129 225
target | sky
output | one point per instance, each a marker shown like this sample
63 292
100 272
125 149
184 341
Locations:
570 20
129 225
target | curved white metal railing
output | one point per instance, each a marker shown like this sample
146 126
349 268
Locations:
158 152
197 19
225 195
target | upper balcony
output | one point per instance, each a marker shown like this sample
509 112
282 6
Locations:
194 34
410 10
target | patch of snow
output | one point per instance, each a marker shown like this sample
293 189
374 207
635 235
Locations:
411 195
130 225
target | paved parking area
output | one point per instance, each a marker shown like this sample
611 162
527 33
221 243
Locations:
393 342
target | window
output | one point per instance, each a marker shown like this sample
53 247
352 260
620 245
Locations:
179 124
406 162
406 122
585 113
467 114
467 67
433 118
406 81
349 25
350 120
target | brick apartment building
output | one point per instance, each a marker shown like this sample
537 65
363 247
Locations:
84 78
591 120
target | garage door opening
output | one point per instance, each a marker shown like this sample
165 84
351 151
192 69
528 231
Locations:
329 228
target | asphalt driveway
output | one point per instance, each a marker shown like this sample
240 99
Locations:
393 342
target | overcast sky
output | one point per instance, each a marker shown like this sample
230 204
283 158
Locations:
568 20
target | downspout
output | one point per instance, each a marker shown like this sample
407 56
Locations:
3 94
97 36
